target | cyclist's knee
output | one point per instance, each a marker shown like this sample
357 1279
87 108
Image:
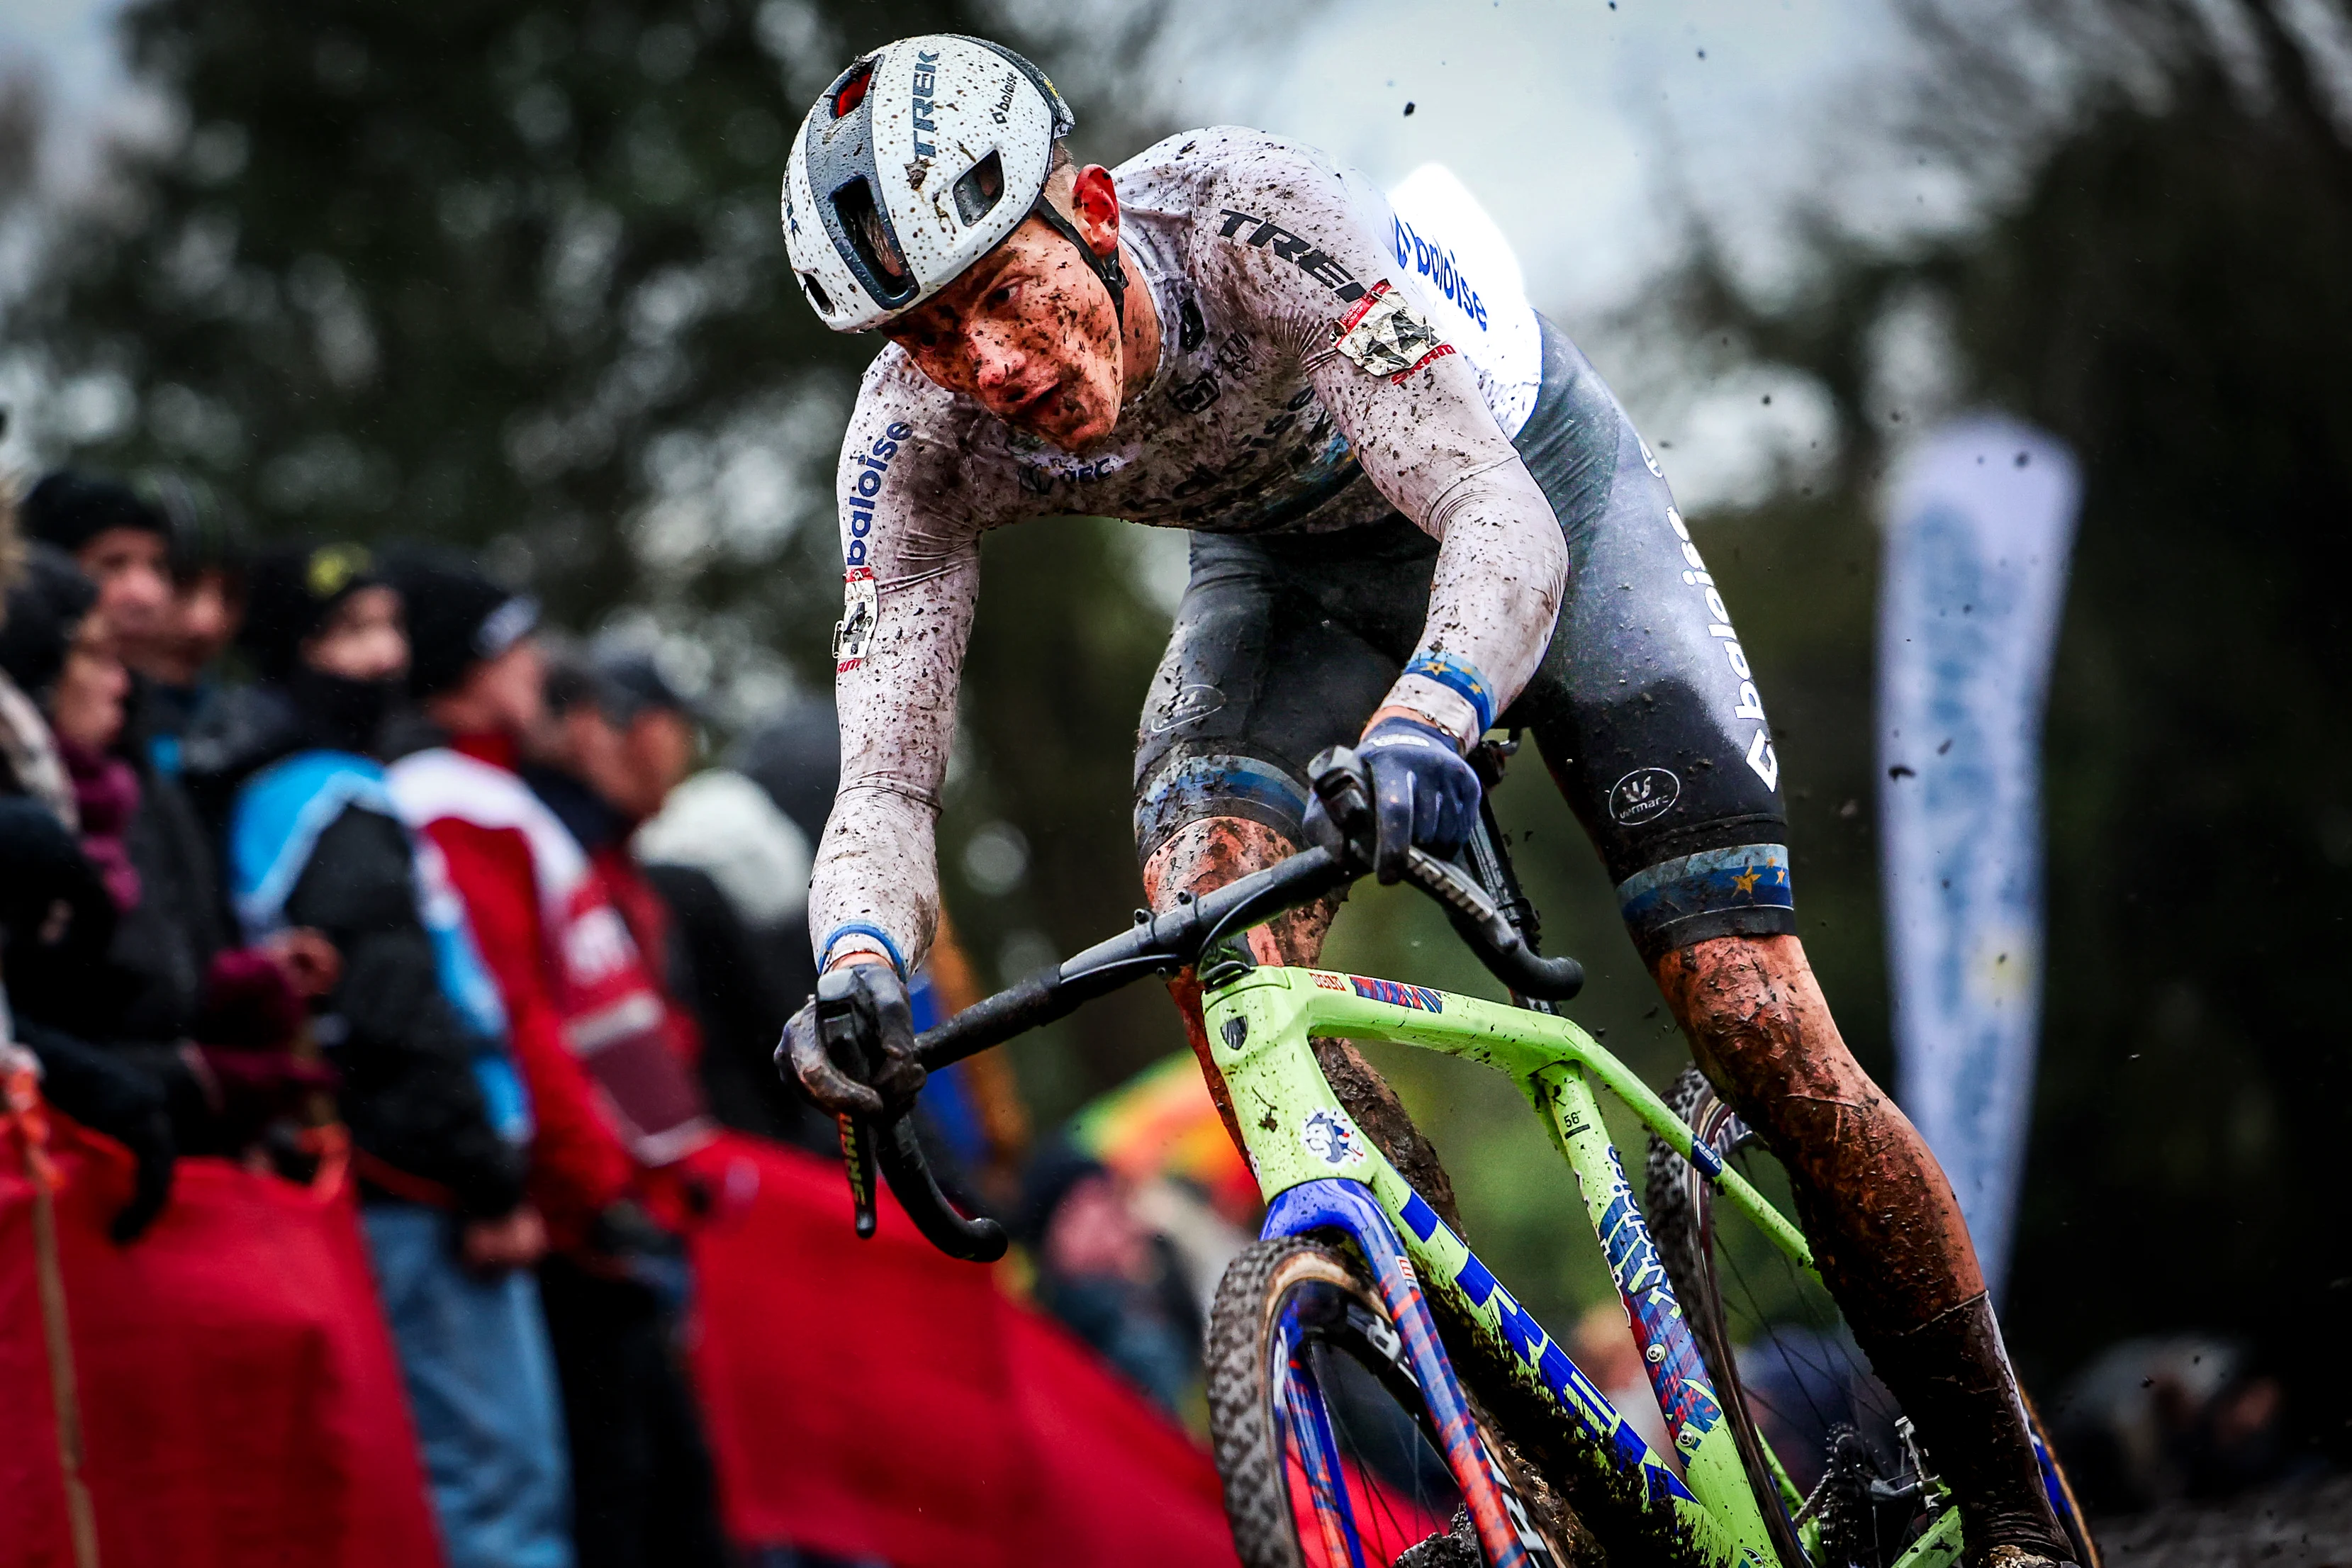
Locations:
1761 1028
1209 852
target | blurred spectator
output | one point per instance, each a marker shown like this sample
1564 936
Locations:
48 598
167 937
66 905
621 739
604 1056
207 554
2159 1419
1109 1277
55 916
121 541
734 871
414 1026
85 707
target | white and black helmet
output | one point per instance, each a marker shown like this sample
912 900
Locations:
915 163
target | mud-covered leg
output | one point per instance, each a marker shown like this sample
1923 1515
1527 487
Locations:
1886 1229
1206 855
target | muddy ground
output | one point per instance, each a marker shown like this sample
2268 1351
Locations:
2300 1526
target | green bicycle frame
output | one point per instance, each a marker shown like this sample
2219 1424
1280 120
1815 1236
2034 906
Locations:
1297 1131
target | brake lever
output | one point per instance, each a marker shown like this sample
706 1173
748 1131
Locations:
1492 936
838 1032
908 1171
888 1143
857 1158
1349 828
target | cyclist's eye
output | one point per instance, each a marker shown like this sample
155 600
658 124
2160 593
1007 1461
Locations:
1001 297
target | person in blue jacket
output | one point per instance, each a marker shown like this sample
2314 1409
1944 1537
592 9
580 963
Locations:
438 1115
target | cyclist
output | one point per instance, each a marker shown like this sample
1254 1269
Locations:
1415 512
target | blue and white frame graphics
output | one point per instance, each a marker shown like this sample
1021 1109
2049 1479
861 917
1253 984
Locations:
1981 520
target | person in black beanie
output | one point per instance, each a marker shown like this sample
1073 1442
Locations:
209 554
438 1115
293 593
55 917
166 942
44 610
121 544
611 1163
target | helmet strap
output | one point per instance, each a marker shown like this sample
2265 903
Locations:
1107 268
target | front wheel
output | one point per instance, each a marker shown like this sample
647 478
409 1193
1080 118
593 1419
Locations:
1823 1443
1326 1450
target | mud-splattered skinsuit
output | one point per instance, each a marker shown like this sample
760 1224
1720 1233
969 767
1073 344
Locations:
1472 531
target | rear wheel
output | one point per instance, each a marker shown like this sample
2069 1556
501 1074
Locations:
1795 1385
1326 1450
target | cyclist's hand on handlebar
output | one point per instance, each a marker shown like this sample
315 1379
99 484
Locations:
852 1048
1425 792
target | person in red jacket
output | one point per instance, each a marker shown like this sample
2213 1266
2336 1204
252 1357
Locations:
606 1057
620 737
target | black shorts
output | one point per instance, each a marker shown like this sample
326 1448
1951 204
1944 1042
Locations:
1642 705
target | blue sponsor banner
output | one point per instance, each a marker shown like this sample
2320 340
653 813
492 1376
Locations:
1981 520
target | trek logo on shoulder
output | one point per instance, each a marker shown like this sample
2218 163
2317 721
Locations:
927 64
876 462
1421 999
1297 250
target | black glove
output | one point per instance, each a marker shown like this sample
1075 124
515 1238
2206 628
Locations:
852 1048
107 1096
1424 794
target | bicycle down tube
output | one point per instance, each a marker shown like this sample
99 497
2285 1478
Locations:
1297 1133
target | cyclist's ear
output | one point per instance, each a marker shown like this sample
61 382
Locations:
1093 206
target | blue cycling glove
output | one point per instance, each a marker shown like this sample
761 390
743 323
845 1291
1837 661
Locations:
1425 792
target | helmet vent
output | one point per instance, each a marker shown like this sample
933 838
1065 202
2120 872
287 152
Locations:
982 187
888 276
851 91
818 296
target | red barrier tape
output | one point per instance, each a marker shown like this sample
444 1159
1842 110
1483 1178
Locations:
875 1399
240 1403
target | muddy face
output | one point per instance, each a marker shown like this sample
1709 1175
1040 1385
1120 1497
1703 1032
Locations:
1030 335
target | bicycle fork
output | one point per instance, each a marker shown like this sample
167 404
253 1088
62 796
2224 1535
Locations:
1506 1539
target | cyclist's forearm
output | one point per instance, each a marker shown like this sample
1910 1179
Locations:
1496 595
1430 444
875 884
876 890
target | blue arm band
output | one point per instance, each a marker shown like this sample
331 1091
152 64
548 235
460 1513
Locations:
1460 678
860 928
